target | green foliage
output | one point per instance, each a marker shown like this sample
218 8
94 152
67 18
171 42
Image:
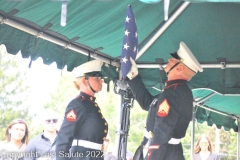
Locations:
14 91
228 145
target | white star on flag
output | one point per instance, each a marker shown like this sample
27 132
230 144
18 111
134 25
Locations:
126 33
136 35
135 48
124 60
125 46
127 19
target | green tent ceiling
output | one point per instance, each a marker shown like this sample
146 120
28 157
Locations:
94 29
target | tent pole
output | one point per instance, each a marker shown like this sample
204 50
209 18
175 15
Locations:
58 41
193 131
163 28
238 140
215 65
205 98
212 93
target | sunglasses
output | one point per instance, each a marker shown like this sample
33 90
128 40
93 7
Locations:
203 144
49 121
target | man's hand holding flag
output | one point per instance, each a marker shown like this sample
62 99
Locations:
130 46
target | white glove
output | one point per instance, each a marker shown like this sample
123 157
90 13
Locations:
133 71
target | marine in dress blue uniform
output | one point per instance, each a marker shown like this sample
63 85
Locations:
84 127
170 112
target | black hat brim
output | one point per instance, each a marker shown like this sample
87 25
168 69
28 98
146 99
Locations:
94 74
175 55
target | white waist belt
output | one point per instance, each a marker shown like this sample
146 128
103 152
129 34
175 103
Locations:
174 141
87 144
171 141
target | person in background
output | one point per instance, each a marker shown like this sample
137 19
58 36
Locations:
16 137
108 153
43 145
84 127
170 112
203 149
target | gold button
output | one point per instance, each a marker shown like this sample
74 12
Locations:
104 138
105 131
91 98
102 117
99 111
105 123
96 104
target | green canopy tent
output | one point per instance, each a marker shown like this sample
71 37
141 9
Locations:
94 29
